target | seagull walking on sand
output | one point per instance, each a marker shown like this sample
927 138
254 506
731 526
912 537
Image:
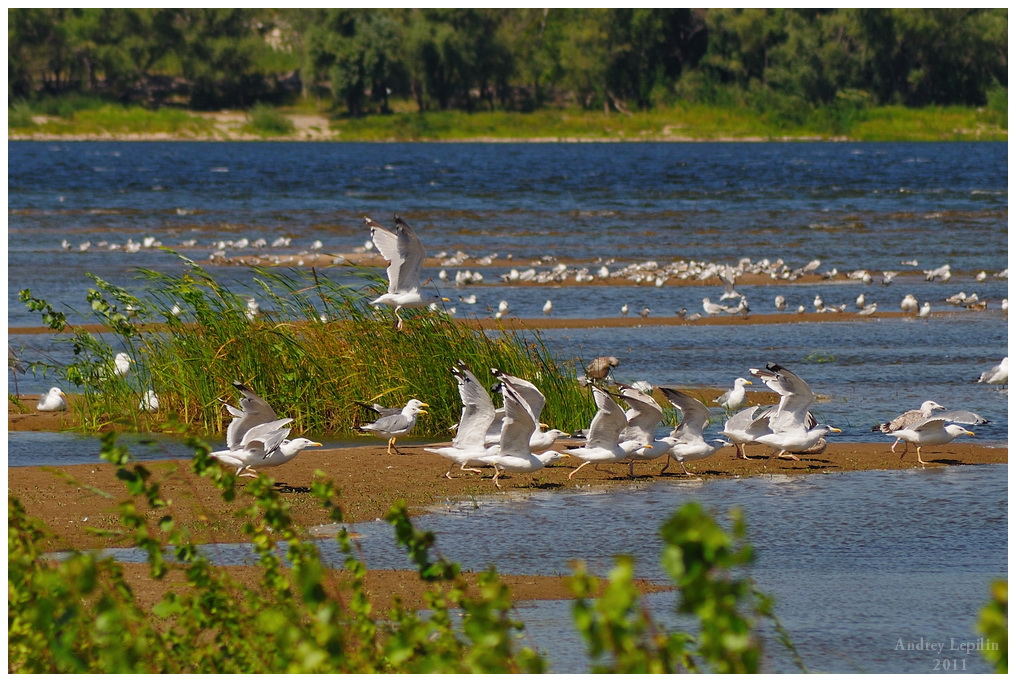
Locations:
404 252
686 441
907 419
469 445
513 452
791 422
257 437
931 431
602 439
394 423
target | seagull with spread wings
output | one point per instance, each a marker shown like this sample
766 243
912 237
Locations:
404 252
477 414
257 437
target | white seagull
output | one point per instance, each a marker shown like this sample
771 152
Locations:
931 431
257 437
396 422
52 401
404 253
513 452
604 433
687 441
477 415
734 399
999 374
790 422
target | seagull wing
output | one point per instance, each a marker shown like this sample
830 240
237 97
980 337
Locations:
608 422
530 394
253 411
392 423
518 426
962 417
796 397
643 417
266 437
695 415
477 411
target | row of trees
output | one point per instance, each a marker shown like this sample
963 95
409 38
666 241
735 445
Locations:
509 58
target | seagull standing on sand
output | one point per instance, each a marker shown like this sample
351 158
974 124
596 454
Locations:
733 399
909 304
404 252
391 426
257 437
686 441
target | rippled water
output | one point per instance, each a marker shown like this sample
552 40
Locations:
857 562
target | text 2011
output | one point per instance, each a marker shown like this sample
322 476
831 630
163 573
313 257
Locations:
950 664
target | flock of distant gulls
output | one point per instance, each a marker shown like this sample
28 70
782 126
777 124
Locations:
512 438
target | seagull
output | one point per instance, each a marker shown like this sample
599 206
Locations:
502 307
644 313
534 400
548 307
52 401
149 402
999 374
868 310
687 441
907 419
859 303
931 431
624 310
925 311
477 415
713 308
513 451
121 365
395 424
734 399
404 253
909 304
257 437
790 421
744 427
644 414
600 367
252 308
604 433
781 303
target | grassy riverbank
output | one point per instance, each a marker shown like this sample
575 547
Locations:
97 120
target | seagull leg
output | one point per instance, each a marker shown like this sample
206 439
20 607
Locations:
788 455
740 451
497 473
921 461
686 472
577 469
631 468
665 466
906 446
465 468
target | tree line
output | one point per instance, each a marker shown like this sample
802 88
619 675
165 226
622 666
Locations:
510 59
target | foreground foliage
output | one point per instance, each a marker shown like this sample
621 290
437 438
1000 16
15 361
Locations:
314 350
81 615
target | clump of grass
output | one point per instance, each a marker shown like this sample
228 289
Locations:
265 120
19 115
312 370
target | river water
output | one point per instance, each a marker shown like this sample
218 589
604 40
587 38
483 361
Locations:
857 561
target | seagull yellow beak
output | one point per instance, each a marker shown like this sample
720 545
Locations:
315 443
424 405
969 433
543 426
446 300
747 383
835 430
565 435
422 412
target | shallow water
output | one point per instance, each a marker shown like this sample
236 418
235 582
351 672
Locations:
857 562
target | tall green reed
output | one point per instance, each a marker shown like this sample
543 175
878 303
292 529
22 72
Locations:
314 351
